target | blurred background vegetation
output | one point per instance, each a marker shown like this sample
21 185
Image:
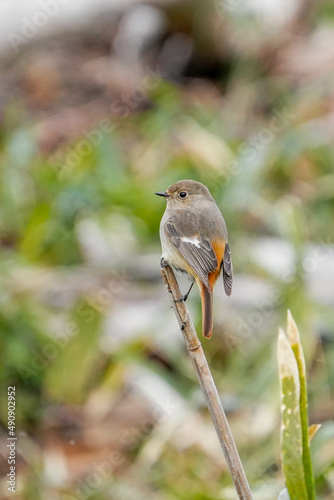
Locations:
96 116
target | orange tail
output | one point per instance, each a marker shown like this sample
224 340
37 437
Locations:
207 319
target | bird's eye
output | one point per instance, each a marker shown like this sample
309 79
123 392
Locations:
183 194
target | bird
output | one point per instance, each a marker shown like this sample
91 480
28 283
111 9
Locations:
194 240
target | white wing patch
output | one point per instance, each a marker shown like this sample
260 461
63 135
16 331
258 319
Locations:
195 241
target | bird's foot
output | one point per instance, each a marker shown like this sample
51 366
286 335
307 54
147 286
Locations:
184 297
163 263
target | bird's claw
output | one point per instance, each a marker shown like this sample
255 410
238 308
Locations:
163 263
182 299
185 296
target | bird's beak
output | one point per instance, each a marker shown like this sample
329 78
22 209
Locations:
163 193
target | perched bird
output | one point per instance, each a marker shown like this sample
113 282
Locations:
194 240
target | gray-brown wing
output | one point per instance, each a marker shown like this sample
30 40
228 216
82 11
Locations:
227 270
199 255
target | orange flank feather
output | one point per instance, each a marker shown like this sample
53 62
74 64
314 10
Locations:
219 249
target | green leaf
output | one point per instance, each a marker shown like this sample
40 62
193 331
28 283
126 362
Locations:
291 431
294 338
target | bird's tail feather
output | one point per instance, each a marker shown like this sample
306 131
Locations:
207 317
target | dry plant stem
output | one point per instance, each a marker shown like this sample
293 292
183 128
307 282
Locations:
207 384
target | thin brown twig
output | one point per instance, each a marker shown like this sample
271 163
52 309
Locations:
207 384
